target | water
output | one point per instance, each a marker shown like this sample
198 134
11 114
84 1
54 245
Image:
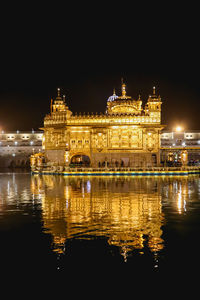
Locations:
70 227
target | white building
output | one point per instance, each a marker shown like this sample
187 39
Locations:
17 146
179 140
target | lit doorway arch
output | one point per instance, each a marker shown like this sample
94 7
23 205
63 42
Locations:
80 160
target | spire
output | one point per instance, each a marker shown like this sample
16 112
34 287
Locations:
154 97
58 89
51 107
123 89
58 94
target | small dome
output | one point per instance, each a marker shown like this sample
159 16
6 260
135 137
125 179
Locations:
113 97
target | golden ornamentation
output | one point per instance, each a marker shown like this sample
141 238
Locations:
127 132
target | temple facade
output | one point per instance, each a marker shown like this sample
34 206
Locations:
126 135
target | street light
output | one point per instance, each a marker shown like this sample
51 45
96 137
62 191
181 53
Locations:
179 128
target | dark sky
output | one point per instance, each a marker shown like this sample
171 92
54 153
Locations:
86 50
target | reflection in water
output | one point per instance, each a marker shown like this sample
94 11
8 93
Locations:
151 224
153 220
126 211
14 190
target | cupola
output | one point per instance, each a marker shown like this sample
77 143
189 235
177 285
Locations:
123 104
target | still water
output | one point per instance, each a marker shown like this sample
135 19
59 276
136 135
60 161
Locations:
60 225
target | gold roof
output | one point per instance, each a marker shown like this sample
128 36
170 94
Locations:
124 104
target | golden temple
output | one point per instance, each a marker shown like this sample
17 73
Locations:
126 135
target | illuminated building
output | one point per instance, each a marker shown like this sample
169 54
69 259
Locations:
127 134
180 146
17 146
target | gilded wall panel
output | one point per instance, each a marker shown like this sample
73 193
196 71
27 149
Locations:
125 138
79 139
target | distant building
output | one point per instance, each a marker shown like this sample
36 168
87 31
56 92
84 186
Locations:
175 143
17 146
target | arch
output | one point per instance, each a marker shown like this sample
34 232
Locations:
27 163
126 108
80 160
22 163
12 164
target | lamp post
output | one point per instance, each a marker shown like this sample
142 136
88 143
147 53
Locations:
177 137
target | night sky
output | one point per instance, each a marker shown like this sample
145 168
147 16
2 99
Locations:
86 49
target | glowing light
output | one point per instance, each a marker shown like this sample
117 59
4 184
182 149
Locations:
66 156
179 202
179 129
88 186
